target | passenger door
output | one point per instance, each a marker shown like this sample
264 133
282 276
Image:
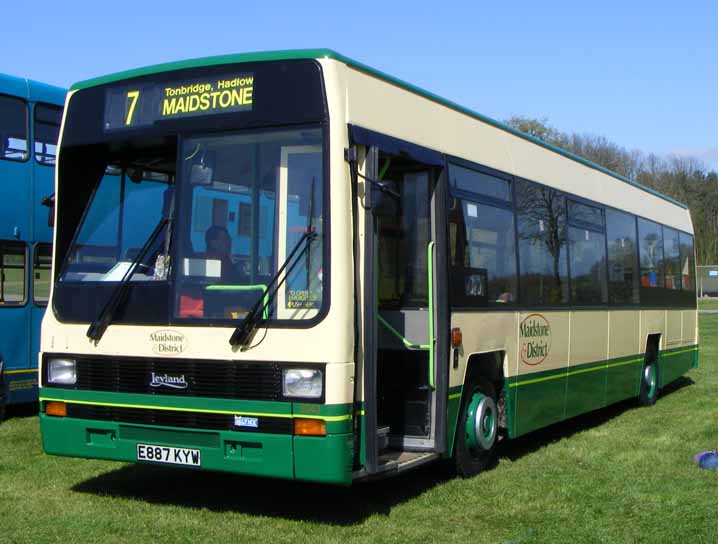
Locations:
406 360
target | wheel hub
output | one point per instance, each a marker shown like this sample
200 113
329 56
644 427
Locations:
481 422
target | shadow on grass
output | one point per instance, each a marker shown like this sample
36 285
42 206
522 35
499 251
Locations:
28 409
523 445
299 501
317 503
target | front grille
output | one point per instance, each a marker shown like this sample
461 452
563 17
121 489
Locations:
177 418
190 377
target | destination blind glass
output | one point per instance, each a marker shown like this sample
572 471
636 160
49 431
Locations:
141 105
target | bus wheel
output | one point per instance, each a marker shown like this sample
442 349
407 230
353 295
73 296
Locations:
649 384
477 431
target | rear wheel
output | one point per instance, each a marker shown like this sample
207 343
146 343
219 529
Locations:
649 381
477 432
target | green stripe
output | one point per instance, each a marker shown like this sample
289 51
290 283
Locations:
560 373
326 412
168 408
21 371
200 410
672 353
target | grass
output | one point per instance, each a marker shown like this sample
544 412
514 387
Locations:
708 303
624 474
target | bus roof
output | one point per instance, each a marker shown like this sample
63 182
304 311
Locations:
32 90
294 54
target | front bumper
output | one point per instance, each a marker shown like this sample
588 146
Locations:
282 455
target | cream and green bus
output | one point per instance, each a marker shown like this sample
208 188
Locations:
289 264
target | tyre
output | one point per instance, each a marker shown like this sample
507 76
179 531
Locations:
648 392
477 429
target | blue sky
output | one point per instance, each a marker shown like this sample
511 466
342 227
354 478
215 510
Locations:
642 73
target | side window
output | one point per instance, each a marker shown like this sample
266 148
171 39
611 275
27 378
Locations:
542 238
587 249
46 133
12 273
41 264
473 181
483 255
650 239
622 258
13 129
688 265
482 239
672 258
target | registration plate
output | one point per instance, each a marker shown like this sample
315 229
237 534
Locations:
168 454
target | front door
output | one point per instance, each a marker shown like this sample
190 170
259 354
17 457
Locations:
404 372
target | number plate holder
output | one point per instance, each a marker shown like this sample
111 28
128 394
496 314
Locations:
169 455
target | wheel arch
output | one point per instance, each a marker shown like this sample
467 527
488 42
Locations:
489 366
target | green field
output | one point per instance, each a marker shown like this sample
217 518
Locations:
623 474
708 304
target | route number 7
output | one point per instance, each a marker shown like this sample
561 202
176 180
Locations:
133 96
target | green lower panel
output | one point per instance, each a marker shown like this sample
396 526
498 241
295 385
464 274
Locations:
540 403
585 389
674 363
511 394
324 459
453 405
623 379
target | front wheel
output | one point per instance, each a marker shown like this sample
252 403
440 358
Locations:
649 384
476 435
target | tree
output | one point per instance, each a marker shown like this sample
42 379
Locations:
685 179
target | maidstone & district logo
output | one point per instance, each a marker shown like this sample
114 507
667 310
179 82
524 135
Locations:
535 335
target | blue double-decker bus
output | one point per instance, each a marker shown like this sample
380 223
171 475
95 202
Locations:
30 116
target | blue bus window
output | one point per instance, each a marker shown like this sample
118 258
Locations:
47 131
12 274
13 129
41 265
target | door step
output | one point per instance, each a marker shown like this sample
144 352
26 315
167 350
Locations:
394 462
402 460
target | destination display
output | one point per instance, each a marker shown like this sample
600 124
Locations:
133 106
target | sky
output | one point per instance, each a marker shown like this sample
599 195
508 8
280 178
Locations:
642 73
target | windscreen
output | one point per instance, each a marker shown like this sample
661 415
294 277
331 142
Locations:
248 201
122 214
197 185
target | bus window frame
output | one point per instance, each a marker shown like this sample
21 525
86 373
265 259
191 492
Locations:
636 260
28 139
480 198
35 248
59 127
520 306
180 204
25 267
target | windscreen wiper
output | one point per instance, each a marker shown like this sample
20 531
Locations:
242 334
98 327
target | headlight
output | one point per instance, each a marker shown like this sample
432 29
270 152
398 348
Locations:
302 382
62 371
